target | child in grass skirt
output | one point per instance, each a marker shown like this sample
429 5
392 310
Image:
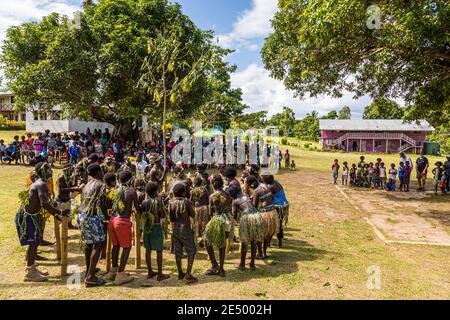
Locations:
263 199
280 202
200 200
219 227
251 225
153 214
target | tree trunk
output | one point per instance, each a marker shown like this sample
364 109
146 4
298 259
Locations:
164 127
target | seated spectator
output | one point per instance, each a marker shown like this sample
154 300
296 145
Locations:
11 154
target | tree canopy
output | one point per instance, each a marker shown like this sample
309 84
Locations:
285 121
327 47
383 109
345 113
93 70
255 120
307 129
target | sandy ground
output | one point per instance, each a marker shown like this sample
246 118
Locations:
328 251
413 216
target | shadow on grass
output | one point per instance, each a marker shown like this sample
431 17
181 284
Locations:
280 262
426 198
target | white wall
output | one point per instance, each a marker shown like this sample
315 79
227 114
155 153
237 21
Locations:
60 126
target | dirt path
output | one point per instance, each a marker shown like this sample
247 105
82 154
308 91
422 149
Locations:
413 217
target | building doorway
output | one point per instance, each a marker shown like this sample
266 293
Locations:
363 146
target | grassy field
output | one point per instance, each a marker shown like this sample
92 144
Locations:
328 254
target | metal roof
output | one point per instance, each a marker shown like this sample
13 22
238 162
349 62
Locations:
374 125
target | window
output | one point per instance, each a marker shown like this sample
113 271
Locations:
378 143
35 115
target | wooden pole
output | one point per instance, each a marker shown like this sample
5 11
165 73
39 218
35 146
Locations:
108 253
137 240
64 245
108 248
164 125
57 239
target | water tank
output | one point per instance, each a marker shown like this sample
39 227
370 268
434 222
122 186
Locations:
432 148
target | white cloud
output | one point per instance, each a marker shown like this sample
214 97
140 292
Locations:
261 92
253 23
14 12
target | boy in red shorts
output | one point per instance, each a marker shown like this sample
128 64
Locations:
120 227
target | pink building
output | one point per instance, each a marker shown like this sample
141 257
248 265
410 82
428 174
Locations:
374 136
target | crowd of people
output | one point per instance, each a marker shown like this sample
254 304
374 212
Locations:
71 147
391 177
121 184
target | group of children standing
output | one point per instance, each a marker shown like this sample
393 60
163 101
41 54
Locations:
378 176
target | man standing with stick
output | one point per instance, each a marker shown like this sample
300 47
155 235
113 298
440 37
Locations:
29 217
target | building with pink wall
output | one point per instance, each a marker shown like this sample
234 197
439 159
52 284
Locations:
374 136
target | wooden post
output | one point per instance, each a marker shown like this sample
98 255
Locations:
108 253
108 247
387 145
64 245
137 239
57 239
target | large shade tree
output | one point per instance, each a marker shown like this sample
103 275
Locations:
92 69
401 50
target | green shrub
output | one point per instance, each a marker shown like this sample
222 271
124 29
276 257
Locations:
307 145
284 141
11 124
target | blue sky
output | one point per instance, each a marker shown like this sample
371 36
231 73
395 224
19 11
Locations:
241 25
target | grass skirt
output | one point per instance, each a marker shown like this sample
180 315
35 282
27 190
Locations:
202 219
251 228
283 213
271 222
215 232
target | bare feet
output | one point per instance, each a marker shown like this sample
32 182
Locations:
190 280
162 277
239 267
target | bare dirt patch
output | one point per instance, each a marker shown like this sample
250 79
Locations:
413 216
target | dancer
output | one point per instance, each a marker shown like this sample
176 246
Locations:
181 212
263 200
153 216
280 202
200 200
120 227
90 219
35 204
218 228
251 227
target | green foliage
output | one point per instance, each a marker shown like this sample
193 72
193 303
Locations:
442 136
345 113
331 115
307 129
383 109
11 124
256 120
325 47
285 121
284 141
93 72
